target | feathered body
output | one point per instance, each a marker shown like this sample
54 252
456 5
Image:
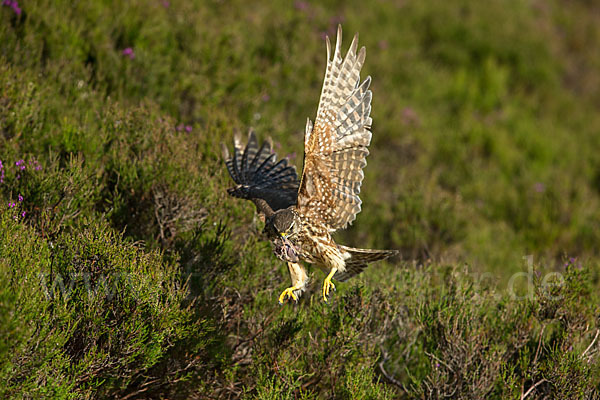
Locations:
301 215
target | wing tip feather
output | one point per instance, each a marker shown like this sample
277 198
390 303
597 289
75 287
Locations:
338 42
251 134
237 140
225 152
354 44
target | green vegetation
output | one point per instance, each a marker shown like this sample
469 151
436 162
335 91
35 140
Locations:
127 272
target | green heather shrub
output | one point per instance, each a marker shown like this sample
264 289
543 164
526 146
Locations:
89 312
127 272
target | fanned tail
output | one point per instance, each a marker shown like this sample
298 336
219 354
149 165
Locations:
358 260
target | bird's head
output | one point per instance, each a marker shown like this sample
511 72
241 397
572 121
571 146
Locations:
281 228
284 223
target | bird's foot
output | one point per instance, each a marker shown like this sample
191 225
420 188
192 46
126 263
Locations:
328 285
288 293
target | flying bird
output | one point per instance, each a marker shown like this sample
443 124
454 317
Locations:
300 215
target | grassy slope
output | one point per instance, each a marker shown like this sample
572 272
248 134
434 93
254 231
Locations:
485 149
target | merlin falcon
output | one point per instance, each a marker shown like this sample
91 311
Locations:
300 215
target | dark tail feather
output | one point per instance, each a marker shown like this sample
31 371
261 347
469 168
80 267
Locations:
359 260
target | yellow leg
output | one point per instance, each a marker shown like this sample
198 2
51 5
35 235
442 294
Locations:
327 284
299 280
289 292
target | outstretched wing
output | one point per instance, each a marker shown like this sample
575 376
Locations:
335 149
272 185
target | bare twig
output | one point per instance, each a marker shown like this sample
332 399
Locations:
591 344
132 394
533 387
537 352
386 375
439 360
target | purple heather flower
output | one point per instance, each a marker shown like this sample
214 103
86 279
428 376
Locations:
23 214
128 51
301 5
336 20
20 198
410 116
188 128
166 4
179 127
34 164
11 204
539 187
1 172
265 97
20 164
12 4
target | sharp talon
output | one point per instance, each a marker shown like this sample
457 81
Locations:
288 293
327 285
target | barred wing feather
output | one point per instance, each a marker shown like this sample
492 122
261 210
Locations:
335 148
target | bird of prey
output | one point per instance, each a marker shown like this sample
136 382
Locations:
300 215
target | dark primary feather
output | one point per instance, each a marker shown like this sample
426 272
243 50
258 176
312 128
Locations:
259 176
